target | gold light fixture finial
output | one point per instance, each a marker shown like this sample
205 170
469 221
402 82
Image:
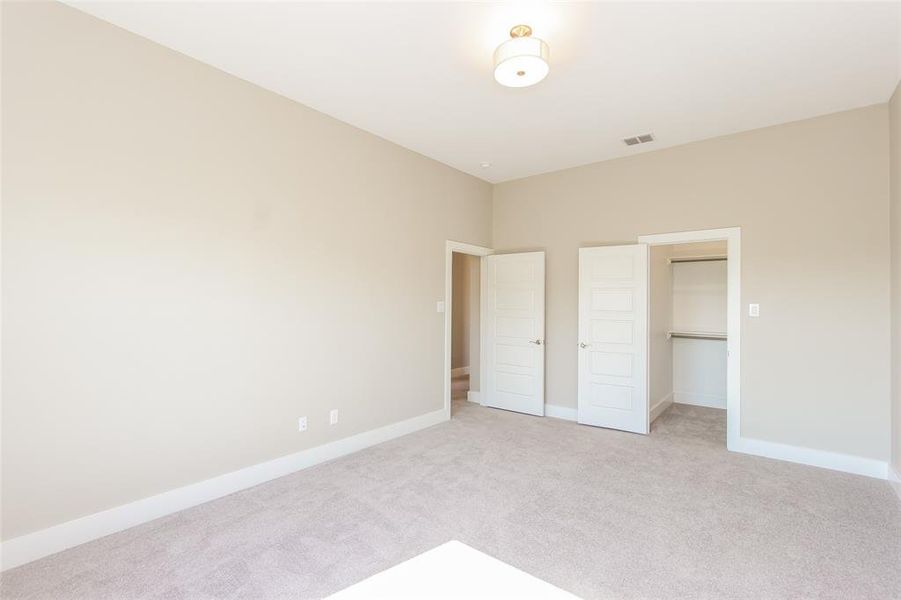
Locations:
520 31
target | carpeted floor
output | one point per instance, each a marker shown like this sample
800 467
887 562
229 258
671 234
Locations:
600 513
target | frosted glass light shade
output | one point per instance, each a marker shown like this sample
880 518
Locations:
521 62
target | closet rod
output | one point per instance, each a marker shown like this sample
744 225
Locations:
697 336
687 259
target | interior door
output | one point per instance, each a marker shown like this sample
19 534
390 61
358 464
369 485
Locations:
613 337
513 332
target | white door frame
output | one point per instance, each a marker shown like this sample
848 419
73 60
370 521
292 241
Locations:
732 237
461 248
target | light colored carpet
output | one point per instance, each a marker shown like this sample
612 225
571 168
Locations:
600 513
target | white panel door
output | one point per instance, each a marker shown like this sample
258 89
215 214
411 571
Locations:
513 332
613 337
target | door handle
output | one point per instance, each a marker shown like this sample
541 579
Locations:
536 342
583 345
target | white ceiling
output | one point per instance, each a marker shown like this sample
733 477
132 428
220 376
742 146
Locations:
420 74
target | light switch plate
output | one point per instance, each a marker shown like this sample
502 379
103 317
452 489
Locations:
753 310
439 306
333 416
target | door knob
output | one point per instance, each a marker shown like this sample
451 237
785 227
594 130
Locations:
583 345
536 342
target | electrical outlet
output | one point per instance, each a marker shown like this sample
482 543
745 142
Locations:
333 416
753 310
302 424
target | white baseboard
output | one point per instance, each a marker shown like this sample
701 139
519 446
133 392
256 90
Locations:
560 412
459 371
660 406
694 399
45 542
848 463
474 396
894 478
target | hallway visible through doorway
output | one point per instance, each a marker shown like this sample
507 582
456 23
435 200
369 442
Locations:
465 338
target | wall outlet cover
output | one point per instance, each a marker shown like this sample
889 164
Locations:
302 424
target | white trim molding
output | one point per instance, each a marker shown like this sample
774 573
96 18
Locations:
473 396
45 542
567 413
825 459
450 247
894 478
660 406
732 236
697 399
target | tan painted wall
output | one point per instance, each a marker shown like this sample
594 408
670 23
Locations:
465 315
190 263
812 200
459 312
895 172
474 317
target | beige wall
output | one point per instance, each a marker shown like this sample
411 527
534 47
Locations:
460 312
190 263
811 198
465 315
895 171
475 315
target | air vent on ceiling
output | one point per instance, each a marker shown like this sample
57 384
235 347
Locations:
639 139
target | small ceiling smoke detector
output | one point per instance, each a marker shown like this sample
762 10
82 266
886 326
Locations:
485 165
639 139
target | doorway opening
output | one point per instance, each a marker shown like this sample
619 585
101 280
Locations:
694 317
462 323
465 328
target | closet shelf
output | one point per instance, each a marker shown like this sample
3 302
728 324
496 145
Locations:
685 259
697 335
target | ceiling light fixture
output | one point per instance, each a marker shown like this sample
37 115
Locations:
522 60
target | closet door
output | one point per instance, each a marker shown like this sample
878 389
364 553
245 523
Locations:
613 337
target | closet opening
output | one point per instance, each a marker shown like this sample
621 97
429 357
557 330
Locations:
693 329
